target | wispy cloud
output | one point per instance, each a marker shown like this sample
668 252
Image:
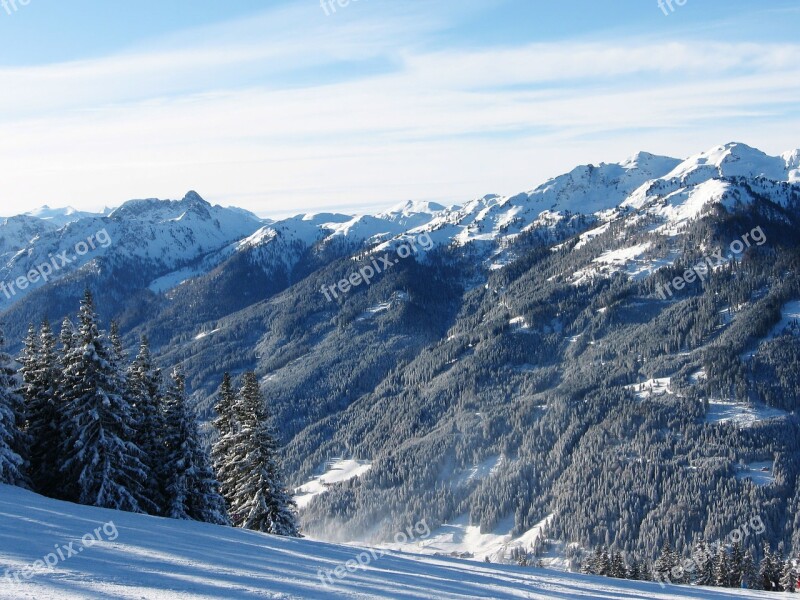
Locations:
286 111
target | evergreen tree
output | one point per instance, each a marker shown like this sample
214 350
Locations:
617 569
749 573
12 439
44 420
721 571
789 577
634 571
222 450
591 564
117 347
603 566
68 336
101 462
736 566
144 390
766 569
703 557
777 567
192 490
645 571
666 561
260 499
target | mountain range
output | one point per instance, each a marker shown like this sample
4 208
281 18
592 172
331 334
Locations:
524 372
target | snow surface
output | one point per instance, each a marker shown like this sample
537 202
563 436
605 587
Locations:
165 234
161 559
61 216
481 471
189 238
338 471
459 539
651 388
742 415
760 473
732 160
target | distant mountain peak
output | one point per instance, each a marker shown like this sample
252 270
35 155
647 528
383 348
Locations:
58 216
411 207
734 159
194 197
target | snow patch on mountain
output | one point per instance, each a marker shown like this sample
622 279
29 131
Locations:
730 160
178 239
62 216
651 388
792 159
337 471
480 471
742 415
761 473
462 540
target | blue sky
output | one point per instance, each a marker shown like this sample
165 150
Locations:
287 107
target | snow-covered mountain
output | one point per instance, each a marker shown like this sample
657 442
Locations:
109 554
172 240
489 372
62 216
189 238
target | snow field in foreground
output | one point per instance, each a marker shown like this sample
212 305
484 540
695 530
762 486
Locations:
154 558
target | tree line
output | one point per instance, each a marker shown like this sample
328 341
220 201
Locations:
81 422
714 565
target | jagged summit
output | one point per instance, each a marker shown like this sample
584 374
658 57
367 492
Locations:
185 229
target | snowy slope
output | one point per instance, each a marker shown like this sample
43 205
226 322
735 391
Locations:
158 234
337 472
145 557
189 238
61 216
20 232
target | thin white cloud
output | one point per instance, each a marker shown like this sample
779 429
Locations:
215 113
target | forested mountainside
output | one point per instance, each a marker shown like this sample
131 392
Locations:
567 338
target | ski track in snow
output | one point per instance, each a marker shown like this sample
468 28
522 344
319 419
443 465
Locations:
155 558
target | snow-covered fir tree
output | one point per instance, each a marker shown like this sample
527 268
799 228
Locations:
766 570
666 561
721 569
749 573
225 425
117 347
618 569
260 498
789 577
12 439
192 490
634 571
703 558
736 566
40 373
102 464
145 394
68 336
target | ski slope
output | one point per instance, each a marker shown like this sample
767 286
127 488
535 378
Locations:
153 558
